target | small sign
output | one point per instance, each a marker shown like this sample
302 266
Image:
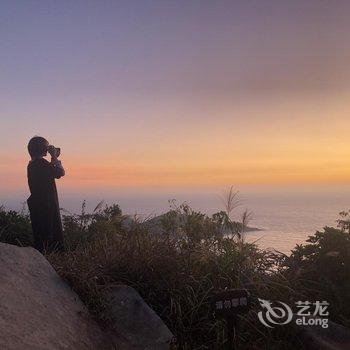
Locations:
230 303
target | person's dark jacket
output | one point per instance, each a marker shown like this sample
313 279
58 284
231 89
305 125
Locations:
43 204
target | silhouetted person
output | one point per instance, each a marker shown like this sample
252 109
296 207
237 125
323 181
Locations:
43 201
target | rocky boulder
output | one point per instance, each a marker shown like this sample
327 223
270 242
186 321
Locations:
38 310
334 337
133 323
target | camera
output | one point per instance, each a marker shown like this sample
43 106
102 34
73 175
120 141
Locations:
57 150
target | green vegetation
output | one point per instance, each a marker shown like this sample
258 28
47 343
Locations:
15 228
321 269
178 270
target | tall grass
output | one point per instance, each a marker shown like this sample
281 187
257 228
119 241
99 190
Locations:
192 257
177 272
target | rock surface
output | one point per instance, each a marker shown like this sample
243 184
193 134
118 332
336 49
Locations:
133 323
38 310
335 337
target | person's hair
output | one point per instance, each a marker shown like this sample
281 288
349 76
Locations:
37 146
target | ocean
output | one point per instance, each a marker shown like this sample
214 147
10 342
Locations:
284 218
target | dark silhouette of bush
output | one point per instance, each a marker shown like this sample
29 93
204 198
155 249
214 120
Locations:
79 229
321 269
195 256
15 228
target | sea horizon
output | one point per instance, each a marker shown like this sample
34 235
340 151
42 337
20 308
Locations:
284 217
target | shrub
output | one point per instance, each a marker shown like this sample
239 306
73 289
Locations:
175 272
321 269
15 228
82 228
191 257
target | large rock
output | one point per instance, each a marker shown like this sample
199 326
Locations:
38 311
133 323
334 337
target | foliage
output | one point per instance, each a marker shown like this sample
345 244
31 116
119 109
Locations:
177 272
344 221
176 279
15 228
194 256
197 227
321 269
85 227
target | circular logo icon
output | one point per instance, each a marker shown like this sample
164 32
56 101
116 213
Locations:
279 314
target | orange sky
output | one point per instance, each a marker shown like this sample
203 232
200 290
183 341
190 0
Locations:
307 146
216 95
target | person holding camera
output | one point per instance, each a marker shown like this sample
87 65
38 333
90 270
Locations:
43 202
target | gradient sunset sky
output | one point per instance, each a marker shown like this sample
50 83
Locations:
177 94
